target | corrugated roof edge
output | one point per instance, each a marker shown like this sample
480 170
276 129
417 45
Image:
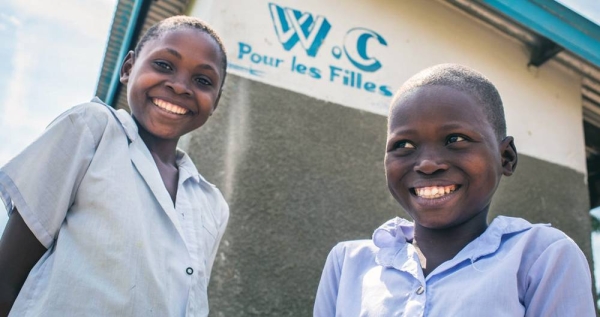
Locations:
113 46
555 22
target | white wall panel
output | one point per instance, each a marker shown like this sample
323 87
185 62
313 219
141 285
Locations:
543 106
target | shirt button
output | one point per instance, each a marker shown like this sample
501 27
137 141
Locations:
420 290
189 271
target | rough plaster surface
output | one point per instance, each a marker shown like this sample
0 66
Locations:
543 192
301 174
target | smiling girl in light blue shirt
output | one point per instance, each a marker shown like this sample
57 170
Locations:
447 150
108 217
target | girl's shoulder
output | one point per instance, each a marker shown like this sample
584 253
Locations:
542 239
355 252
537 242
541 234
87 110
97 117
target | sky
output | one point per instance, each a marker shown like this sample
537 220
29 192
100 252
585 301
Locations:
590 9
51 53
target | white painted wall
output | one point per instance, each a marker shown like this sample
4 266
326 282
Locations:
543 106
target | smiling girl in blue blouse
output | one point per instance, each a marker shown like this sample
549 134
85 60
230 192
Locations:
447 150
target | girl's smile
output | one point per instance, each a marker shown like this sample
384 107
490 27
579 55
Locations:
433 192
169 107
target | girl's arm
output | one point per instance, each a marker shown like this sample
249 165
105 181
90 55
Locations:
42 182
19 252
559 283
327 292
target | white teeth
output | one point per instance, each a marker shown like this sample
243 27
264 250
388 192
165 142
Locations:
169 106
434 191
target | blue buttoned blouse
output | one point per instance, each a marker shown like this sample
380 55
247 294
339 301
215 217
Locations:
513 269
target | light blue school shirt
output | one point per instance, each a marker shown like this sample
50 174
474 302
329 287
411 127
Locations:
513 269
90 191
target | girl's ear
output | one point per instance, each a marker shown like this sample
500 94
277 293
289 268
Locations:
217 101
508 152
126 67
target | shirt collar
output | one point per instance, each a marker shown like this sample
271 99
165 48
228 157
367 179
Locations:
490 241
187 169
124 118
393 233
393 237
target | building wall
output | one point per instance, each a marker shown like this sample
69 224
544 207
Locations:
300 159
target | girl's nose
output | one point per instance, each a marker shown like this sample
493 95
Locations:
429 163
179 86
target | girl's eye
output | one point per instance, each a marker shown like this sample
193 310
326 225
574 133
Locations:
163 65
454 139
403 145
203 81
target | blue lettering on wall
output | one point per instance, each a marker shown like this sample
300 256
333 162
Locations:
293 26
245 50
355 47
336 75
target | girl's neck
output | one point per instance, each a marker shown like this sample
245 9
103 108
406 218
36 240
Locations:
437 246
164 154
162 150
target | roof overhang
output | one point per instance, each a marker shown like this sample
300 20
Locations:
550 31
556 23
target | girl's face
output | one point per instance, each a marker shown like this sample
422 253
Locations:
443 160
174 84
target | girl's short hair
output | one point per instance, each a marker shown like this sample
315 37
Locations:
462 79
